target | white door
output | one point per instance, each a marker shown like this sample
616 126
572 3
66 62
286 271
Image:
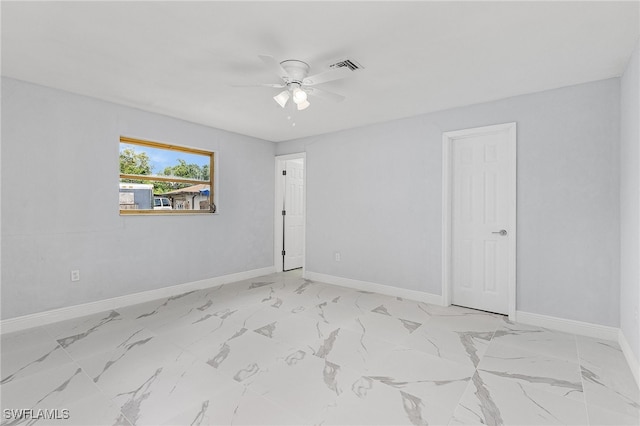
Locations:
293 216
483 218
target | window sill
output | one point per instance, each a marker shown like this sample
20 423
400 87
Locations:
166 212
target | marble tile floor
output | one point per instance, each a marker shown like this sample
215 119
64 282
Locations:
282 350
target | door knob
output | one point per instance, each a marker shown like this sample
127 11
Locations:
502 232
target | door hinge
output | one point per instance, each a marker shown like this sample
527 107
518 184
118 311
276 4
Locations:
284 173
283 252
284 212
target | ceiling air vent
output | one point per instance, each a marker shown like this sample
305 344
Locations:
352 65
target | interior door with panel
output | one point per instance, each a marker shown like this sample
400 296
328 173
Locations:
293 216
482 222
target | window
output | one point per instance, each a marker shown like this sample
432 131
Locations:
159 178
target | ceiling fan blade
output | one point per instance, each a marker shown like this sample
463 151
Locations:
323 94
275 66
276 85
326 76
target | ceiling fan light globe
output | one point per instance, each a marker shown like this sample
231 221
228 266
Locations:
299 95
282 98
303 105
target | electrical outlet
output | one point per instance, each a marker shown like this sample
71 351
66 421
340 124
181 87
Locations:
75 275
336 256
635 314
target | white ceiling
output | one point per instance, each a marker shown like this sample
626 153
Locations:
181 58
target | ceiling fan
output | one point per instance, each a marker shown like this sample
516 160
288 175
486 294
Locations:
297 84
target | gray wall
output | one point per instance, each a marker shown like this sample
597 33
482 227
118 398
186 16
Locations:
60 197
374 194
630 203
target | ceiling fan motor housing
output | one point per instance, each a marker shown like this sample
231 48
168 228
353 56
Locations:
297 70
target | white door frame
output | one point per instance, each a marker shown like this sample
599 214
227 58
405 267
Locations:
279 197
447 168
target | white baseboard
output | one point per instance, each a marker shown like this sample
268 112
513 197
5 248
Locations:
569 326
377 288
585 329
630 356
70 312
